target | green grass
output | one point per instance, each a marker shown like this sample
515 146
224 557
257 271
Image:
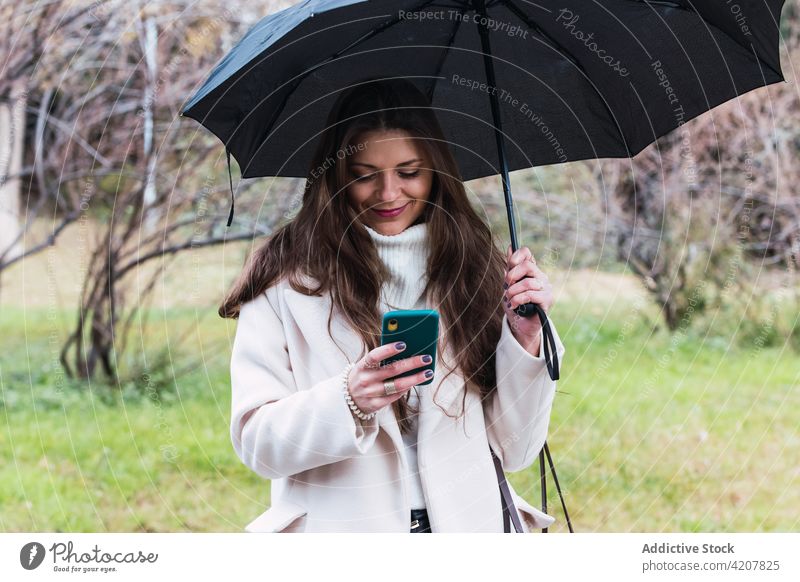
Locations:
647 433
80 457
654 434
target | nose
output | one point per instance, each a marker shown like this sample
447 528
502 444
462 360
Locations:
388 189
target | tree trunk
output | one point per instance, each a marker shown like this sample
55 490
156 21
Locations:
12 143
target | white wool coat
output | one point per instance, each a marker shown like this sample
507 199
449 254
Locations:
332 472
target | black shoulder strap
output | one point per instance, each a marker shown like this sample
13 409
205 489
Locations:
509 509
508 504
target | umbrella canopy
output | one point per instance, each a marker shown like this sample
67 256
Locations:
575 79
561 81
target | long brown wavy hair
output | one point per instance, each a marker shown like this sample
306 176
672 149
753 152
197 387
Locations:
465 268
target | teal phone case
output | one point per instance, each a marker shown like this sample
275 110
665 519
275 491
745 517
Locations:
419 328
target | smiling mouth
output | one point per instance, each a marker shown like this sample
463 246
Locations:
391 211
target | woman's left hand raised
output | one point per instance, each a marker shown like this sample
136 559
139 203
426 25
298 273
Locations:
525 283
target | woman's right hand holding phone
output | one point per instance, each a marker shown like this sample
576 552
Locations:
366 378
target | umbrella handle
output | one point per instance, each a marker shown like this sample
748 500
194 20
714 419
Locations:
527 310
549 341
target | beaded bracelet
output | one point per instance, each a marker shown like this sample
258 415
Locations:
349 399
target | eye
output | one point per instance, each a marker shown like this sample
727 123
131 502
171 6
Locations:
364 178
409 175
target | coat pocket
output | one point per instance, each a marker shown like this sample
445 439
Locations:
531 517
277 518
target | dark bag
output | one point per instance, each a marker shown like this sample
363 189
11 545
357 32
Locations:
510 512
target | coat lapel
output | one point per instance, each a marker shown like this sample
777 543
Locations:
309 315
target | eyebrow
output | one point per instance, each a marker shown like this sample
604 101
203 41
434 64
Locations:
398 165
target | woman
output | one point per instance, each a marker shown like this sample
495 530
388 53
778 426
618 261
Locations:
386 224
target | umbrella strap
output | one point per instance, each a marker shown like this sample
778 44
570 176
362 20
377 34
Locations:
549 347
230 179
546 450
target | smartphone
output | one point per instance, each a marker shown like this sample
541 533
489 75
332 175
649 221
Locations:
419 329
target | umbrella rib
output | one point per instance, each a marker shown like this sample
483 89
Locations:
335 55
445 52
563 51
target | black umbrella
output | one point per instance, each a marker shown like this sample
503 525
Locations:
561 81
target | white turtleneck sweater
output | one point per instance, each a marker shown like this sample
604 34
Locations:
406 255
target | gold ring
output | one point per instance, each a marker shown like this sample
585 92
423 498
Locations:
389 387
